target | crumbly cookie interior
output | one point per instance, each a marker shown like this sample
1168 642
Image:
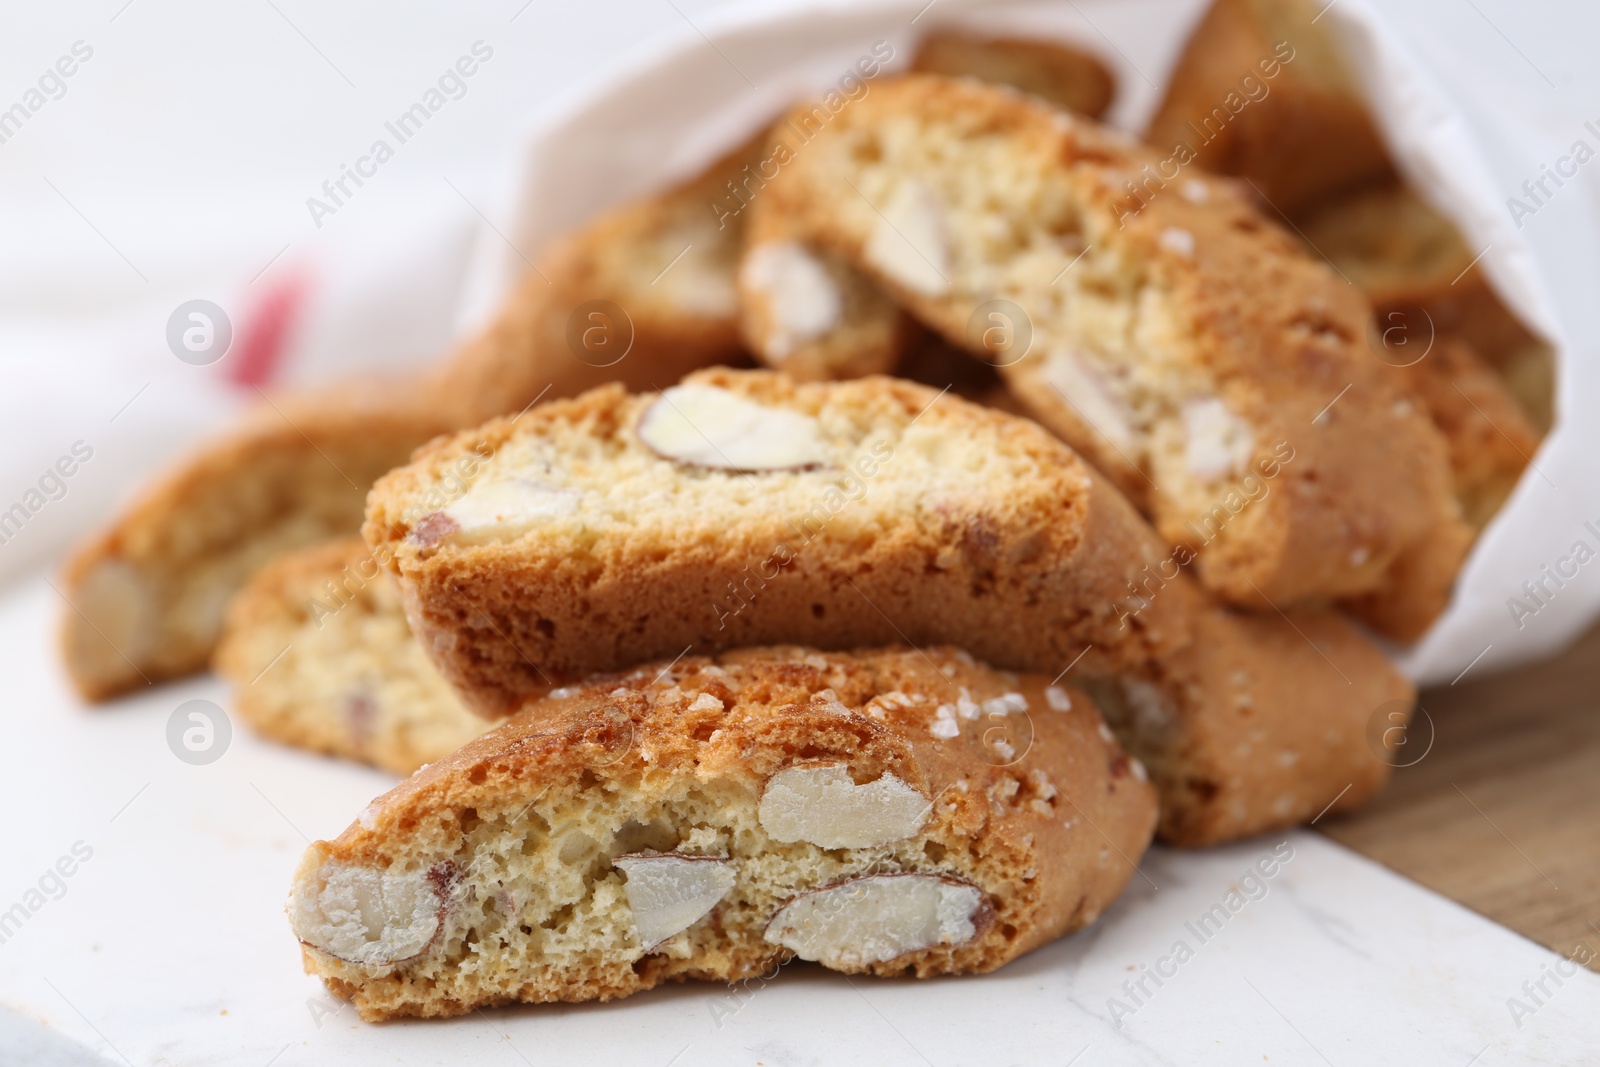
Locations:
321 656
1111 354
601 480
529 866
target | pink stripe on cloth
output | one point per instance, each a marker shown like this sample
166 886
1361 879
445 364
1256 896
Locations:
264 331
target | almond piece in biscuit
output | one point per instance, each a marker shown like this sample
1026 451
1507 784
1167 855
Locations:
319 655
1186 346
809 314
873 510
612 839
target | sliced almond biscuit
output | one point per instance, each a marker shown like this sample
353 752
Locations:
1059 73
709 819
1261 91
1190 349
1263 723
742 508
146 596
320 657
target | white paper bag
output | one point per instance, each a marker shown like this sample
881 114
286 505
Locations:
664 114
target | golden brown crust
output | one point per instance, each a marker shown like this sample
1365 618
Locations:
1260 724
1492 440
1048 833
319 655
1066 76
1416 269
147 593
1025 569
1227 308
1261 92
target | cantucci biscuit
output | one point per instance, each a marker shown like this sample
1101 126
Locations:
1066 76
1260 91
742 508
893 812
1262 723
1194 352
319 656
146 595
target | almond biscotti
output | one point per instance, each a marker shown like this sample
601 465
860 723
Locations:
1262 723
1261 91
740 508
1191 350
1492 439
146 595
1060 73
810 314
894 812
1415 267
319 656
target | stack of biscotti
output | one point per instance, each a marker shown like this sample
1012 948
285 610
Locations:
779 672
703 771
701 673
581 570
1305 144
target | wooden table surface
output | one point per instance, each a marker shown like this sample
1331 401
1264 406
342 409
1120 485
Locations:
1503 813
